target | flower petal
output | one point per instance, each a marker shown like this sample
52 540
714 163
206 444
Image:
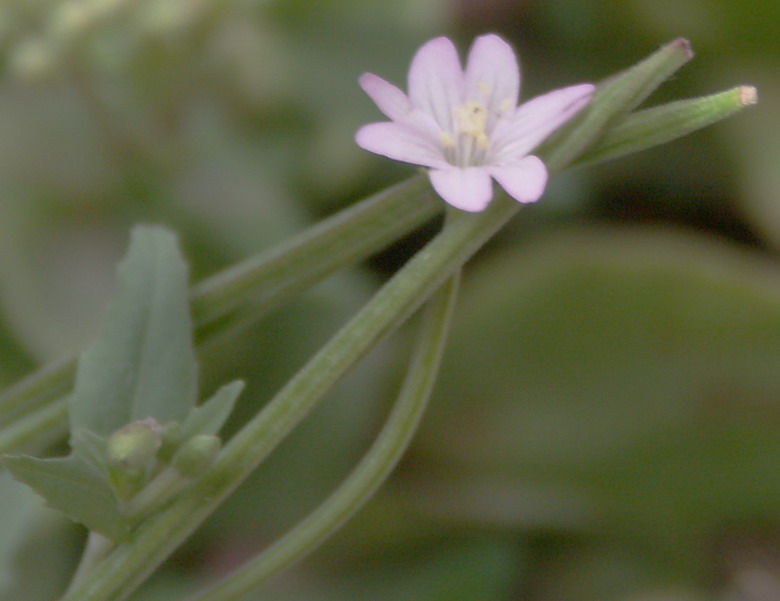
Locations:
400 142
523 180
436 81
533 121
492 75
469 189
390 100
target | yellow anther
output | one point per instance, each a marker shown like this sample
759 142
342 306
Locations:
471 119
484 88
446 140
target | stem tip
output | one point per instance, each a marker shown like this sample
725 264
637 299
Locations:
684 45
748 95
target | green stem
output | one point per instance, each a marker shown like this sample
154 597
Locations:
372 470
162 487
662 124
50 382
243 292
261 283
95 550
614 99
40 428
129 564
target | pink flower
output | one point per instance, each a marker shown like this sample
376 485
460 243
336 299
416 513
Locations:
465 126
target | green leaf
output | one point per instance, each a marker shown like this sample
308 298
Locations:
142 363
90 447
72 486
16 515
247 291
668 122
209 417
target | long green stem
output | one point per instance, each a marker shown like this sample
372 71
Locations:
245 291
261 283
129 564
96 548
661 124
44 427
50 382
369 474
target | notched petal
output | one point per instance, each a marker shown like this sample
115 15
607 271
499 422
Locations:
436 80
388 98
536 119
493 74
468 189
400 142
524 180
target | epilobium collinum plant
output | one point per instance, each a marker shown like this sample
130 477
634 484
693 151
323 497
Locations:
147 465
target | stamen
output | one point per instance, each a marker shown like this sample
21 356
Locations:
471 125
471 119
484 88
447 140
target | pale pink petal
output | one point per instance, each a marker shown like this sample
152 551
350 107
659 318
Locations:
400 142
390 100
493 75
524 180
469 189
535 120
436 81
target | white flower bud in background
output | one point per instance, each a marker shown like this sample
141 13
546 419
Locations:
77 16
32 58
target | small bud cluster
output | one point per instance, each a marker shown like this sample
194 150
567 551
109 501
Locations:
144 451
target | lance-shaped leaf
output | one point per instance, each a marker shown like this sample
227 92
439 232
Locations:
74 487
209 417
206 419
142 363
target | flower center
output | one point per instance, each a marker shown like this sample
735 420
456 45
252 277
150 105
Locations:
470 140
471 119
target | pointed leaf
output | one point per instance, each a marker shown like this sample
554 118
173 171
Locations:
90 447
211 415
142 364
74 487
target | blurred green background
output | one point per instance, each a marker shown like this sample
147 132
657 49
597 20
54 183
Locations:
607 424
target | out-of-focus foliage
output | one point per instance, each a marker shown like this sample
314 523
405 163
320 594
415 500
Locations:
20 503
633 393
607 421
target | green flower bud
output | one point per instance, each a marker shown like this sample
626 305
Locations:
197 454
134 445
